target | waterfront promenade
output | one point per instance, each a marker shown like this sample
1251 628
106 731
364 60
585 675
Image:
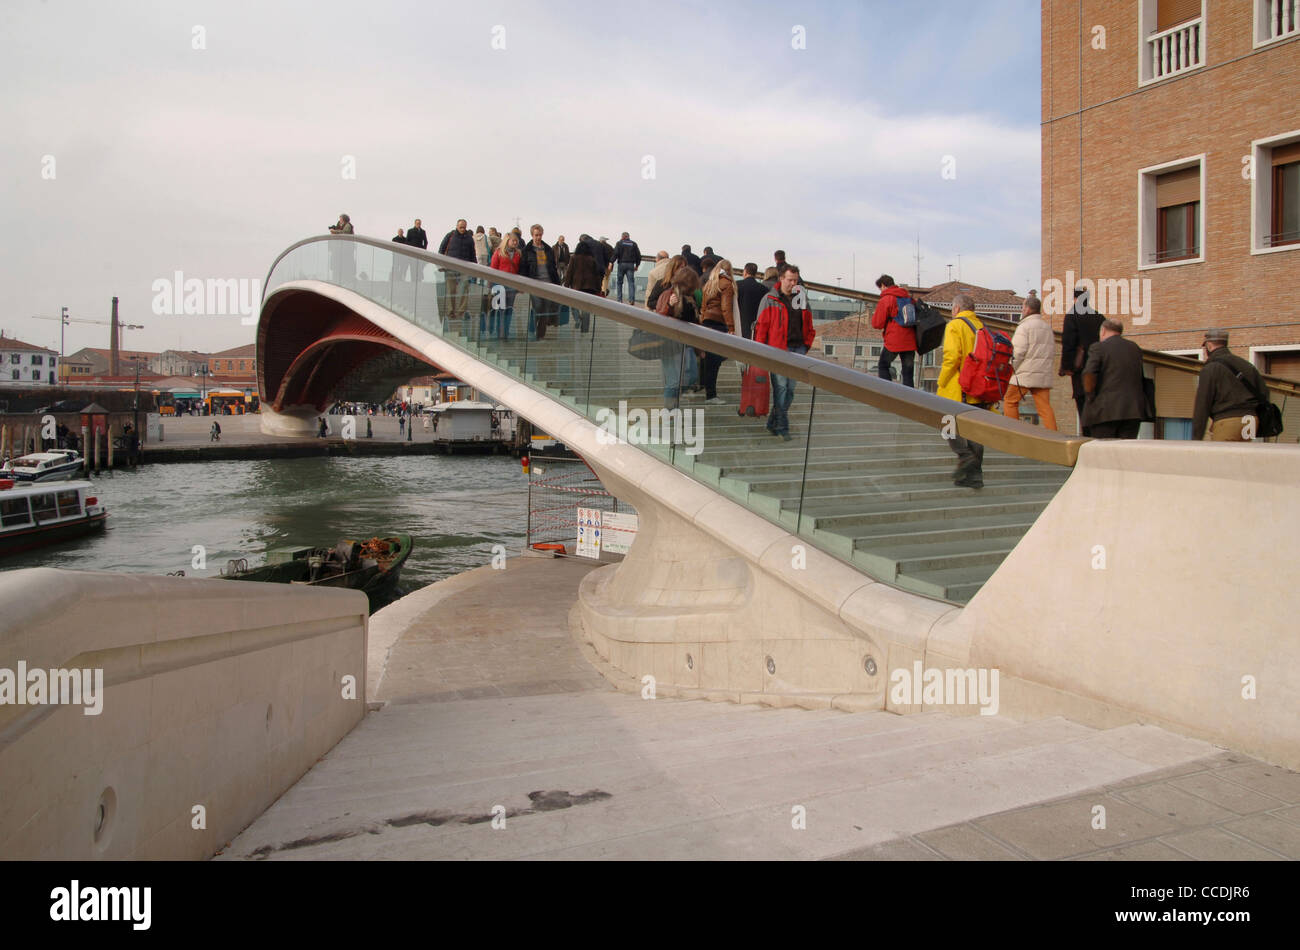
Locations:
188 439
485 704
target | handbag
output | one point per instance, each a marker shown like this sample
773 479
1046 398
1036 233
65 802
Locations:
645 345
1268 415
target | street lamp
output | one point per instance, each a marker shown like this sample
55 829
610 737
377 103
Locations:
203 372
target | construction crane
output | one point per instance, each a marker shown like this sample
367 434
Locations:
64 320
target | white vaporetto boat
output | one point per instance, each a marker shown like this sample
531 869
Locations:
53 466
32 515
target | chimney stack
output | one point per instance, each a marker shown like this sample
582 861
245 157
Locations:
113 344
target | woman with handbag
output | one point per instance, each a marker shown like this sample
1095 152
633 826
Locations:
675 297
717 313
504 258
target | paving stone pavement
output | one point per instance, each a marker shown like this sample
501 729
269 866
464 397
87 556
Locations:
492 737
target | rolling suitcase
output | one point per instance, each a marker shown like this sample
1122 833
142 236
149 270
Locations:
755 392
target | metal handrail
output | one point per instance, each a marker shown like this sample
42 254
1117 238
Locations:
1183 364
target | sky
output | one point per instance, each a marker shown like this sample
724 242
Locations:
142 139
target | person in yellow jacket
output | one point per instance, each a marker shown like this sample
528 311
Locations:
958 342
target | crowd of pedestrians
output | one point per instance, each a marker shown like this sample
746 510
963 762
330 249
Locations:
1111 395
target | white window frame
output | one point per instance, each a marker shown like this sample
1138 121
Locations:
1146 26
828 349
1261 191
1147 212
1261 20
1198 353
1256 356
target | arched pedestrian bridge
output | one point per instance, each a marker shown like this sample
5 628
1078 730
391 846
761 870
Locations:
1105 581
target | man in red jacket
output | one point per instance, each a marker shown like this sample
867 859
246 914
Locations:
899 340
784 321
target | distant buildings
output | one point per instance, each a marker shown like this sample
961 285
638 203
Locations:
1171 169
26 364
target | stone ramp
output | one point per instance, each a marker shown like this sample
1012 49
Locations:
490 711
611 775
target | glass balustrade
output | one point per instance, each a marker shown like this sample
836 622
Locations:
868 485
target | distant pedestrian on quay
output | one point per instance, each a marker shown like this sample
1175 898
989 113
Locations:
214 434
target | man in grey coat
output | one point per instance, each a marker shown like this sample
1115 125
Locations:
1112 377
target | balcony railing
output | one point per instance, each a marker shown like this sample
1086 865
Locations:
1176 50
1283 19
1165 256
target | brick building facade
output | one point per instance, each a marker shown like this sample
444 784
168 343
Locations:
1171 154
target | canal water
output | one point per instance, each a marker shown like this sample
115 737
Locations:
454 507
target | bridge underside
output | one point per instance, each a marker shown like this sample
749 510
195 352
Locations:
314 351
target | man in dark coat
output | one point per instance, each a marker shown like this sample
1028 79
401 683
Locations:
692 260
1117 403
628 255
750 292
416 237
708 261
537 261
458 244
1082 329
1227 394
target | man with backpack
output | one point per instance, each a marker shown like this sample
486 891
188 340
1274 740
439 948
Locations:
976 365
896 315
1228 392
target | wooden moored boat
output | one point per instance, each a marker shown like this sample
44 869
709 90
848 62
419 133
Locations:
371 566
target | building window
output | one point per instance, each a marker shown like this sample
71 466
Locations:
15 358
829 349
18 374
857 350
1171 216
1172 38
230 364
37 359
875 350
1276 20
1275 194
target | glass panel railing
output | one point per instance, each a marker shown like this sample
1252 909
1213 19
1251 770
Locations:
856 466
893 497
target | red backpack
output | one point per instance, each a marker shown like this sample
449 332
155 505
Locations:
986 371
